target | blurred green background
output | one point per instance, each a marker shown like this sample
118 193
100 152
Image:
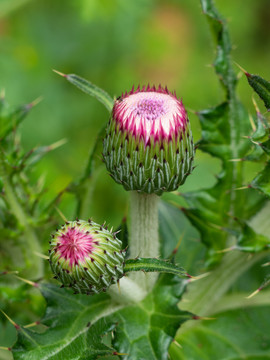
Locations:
115 44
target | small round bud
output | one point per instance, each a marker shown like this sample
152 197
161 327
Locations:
148 145
86 257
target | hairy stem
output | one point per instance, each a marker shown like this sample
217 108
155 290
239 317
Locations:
144 237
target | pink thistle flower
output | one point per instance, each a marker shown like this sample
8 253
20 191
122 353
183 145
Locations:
75 245
150 113
149 146
86 257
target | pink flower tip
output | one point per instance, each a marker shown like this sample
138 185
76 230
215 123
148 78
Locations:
74 245
150 112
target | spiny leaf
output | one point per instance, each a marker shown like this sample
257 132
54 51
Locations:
154 265
222 62
223 129
90 89
33 156
74 326
146 329
209 338
217 134
261 141
122 235
262 181
261 87
10 119
262 130
250 241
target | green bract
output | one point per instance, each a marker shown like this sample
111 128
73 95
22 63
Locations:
86 257
148 145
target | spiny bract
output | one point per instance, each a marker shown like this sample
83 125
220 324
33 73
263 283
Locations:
148 145
86 257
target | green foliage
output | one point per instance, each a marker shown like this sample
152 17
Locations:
251 241
262 181
146 329
222 215
21 210
224 135
262 88
228 335
261 153
75 328
223 128
75 324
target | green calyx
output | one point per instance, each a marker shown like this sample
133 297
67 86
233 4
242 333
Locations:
158 166
86 257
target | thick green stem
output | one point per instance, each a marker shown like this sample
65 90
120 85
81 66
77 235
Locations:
32 243
144 238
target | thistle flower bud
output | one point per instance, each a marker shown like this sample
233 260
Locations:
86 257
148 145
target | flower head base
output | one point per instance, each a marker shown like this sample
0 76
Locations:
149 146
86 257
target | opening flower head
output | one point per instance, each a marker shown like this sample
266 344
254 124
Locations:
86 256
149 113
149 146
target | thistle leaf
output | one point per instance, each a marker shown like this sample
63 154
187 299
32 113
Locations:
146 329
262 181
10 119
90 89
213 337
250 241
261 87
74 328
224 128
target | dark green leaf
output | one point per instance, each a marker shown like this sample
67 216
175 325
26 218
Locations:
235 335
262 88
10 119
217 137
123 234
262 181
250 241
145 330
224 128
222 62
72 321
178 238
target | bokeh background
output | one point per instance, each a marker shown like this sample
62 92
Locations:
115 44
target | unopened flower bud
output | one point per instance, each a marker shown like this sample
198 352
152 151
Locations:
148 145
86 257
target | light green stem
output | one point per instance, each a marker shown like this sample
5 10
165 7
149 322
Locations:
32 244
144 237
